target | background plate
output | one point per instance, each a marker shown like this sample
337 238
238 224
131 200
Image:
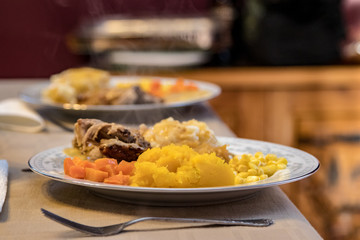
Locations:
49 163
33 96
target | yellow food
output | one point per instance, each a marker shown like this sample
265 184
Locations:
182 155
193 133
252 168
67 85
91 86
180 167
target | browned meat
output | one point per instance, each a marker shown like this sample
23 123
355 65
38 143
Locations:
96 139
117 96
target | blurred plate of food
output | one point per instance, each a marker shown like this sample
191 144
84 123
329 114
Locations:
89 89
174 163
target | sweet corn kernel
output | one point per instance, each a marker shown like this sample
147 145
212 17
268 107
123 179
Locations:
263 176
244 159
269 169
255 161
282 160
242 168
259 155
252 179
251 168
260 171
280 166
270 157
252 172
243 174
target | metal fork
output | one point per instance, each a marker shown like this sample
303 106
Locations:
118 228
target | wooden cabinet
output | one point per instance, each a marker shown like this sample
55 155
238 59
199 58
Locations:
316 109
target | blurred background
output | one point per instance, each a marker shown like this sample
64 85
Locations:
43 37
288 69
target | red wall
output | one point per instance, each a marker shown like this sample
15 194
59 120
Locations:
32 32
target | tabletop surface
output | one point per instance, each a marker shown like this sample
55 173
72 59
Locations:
21 217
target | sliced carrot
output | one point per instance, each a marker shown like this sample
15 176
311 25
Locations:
178 86
68 162
107 165
110 169
95 175
156 88
102 170
88 164
119 179
102 162
127 168
77 161
191 87
77 172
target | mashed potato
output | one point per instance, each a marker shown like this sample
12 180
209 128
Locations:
193 133
180 167
67 85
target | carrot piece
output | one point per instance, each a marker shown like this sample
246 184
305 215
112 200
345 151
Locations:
191 87
178 86
88 164
102 162
156 88
68 162
119 179
127 168
77 172
77 161
110 169
95 175
107 165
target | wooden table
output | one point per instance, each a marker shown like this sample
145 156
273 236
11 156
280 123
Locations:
28 192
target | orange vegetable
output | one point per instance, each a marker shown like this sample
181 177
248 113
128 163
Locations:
102 162
178 86
95 175
68 162
107 165
119 179
125 167
101 170
155 88
77 161
77 172
87 164
192 87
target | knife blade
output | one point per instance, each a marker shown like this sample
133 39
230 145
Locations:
4 167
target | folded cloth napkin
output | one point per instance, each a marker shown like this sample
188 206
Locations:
3 181
16 115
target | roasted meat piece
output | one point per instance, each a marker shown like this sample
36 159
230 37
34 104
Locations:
97 139
117 96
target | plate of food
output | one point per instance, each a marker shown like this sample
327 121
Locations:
89 89
171 163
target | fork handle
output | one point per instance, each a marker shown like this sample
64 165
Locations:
260 222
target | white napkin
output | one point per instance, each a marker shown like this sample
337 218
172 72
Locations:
3 181
16 115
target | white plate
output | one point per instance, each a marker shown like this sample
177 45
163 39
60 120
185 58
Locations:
49 163
33 95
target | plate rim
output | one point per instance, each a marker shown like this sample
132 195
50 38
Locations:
112 187
38 87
